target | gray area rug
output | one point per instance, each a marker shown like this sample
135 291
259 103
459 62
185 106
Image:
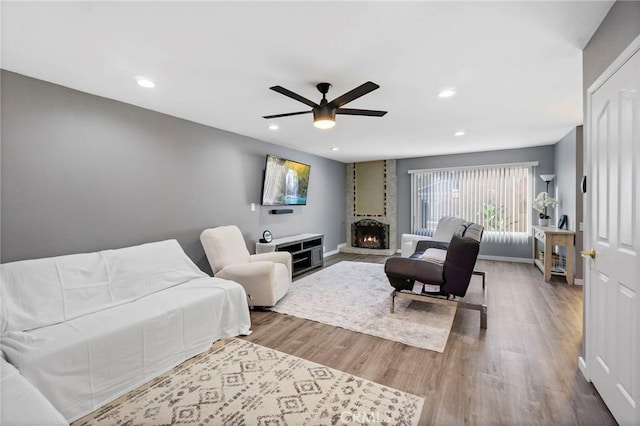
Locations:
242 383
356 296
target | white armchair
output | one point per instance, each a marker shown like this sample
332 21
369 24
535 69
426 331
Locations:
266 277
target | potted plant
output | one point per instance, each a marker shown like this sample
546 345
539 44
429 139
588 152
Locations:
540 204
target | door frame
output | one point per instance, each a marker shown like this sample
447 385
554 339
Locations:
585 359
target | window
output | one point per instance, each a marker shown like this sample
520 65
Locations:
497 197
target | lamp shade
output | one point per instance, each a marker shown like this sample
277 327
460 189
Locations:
324 117
547 178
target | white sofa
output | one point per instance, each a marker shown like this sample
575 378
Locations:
21 404
87 328
447 225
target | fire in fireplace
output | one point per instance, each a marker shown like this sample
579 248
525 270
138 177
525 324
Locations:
370 234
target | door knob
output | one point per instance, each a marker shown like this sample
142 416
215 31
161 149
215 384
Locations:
591 253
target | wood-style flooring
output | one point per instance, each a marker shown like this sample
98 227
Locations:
521 370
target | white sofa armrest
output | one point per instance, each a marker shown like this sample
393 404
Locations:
247 270
409 243
22 403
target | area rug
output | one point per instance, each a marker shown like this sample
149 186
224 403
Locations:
356 296
242 383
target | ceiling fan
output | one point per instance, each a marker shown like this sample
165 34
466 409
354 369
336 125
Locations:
324 114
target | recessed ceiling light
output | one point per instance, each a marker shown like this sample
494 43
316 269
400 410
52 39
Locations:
334 148
459 133
145 82
447 93
273 126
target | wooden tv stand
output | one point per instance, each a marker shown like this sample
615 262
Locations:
306 250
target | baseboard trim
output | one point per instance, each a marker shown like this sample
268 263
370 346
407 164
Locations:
578 281
582 366
336 251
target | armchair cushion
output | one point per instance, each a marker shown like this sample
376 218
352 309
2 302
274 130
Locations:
224 246
403 272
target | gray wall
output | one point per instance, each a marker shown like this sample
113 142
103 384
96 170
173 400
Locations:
564 185
578 271
618 29
568 166
543 154
82 173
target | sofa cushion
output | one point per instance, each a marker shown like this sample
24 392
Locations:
83 363
434 255
447 225
42 292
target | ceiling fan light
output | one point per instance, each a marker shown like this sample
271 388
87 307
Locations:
324 123
324 117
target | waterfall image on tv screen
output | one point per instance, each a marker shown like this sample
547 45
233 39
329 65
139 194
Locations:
285 182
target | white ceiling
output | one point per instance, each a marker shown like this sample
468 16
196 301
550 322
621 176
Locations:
516 66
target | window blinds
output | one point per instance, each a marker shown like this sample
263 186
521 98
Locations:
497 197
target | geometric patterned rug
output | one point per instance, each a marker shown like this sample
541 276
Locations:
242 383
356 296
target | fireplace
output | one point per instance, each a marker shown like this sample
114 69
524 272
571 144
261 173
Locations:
370 226
370 234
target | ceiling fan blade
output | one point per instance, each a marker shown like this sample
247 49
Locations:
295 96
368 112
361 90
286 114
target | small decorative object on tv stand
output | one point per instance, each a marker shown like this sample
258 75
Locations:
306 250
267 237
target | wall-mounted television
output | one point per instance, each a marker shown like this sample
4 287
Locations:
285 182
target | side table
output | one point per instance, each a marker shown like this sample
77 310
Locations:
548 261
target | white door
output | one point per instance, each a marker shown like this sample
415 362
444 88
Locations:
613 231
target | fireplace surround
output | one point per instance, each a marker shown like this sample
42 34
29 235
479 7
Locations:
375 184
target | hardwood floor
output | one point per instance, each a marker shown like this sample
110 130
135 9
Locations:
521 370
